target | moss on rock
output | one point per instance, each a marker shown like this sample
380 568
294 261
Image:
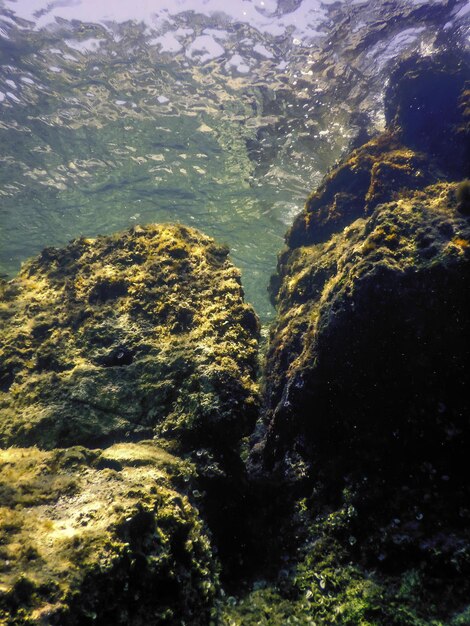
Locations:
101 537
366 418
139 334
374 319
372 174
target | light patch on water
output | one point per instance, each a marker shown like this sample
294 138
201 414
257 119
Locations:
263 51
426 49
204 128
384 52
288 211
86 45
167 42
216 33
204 48
465 10
239 63
170 40
12 96
303 20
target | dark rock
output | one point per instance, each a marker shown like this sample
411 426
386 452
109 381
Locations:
366 383
427 102
361 359
372 174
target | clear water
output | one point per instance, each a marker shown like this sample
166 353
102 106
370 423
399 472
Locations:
220 115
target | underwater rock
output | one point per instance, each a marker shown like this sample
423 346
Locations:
371 175
427 109
428 103
101 537
140 334
366 364
366 384
105 344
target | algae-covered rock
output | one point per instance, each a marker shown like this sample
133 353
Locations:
101 537
139 334
109 342
368 359
427 109
368 415
366 384
372 174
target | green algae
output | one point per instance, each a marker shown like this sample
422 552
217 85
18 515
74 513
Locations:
73 520
328 582
141 334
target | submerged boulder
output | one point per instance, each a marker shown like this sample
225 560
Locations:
369 354
427 102
366 384
115 352
369 176
121 338
427 110
101 537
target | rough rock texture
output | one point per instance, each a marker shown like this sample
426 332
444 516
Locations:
104 344
427 108
101 537
128 336
366 390
374 173
369 354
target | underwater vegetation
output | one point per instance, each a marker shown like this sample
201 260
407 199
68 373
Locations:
125 337
146 478
365 386
462 194
101 537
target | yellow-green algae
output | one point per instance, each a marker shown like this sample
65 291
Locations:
418 231
366 420
101 537
377 172
139 334
105 344
326 584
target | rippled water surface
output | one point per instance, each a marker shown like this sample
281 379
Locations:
221 115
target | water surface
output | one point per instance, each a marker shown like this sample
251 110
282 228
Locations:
219 115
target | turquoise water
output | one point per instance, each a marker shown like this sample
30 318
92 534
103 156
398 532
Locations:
220 121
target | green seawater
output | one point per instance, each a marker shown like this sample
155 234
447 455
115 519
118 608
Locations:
102 127
98 140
